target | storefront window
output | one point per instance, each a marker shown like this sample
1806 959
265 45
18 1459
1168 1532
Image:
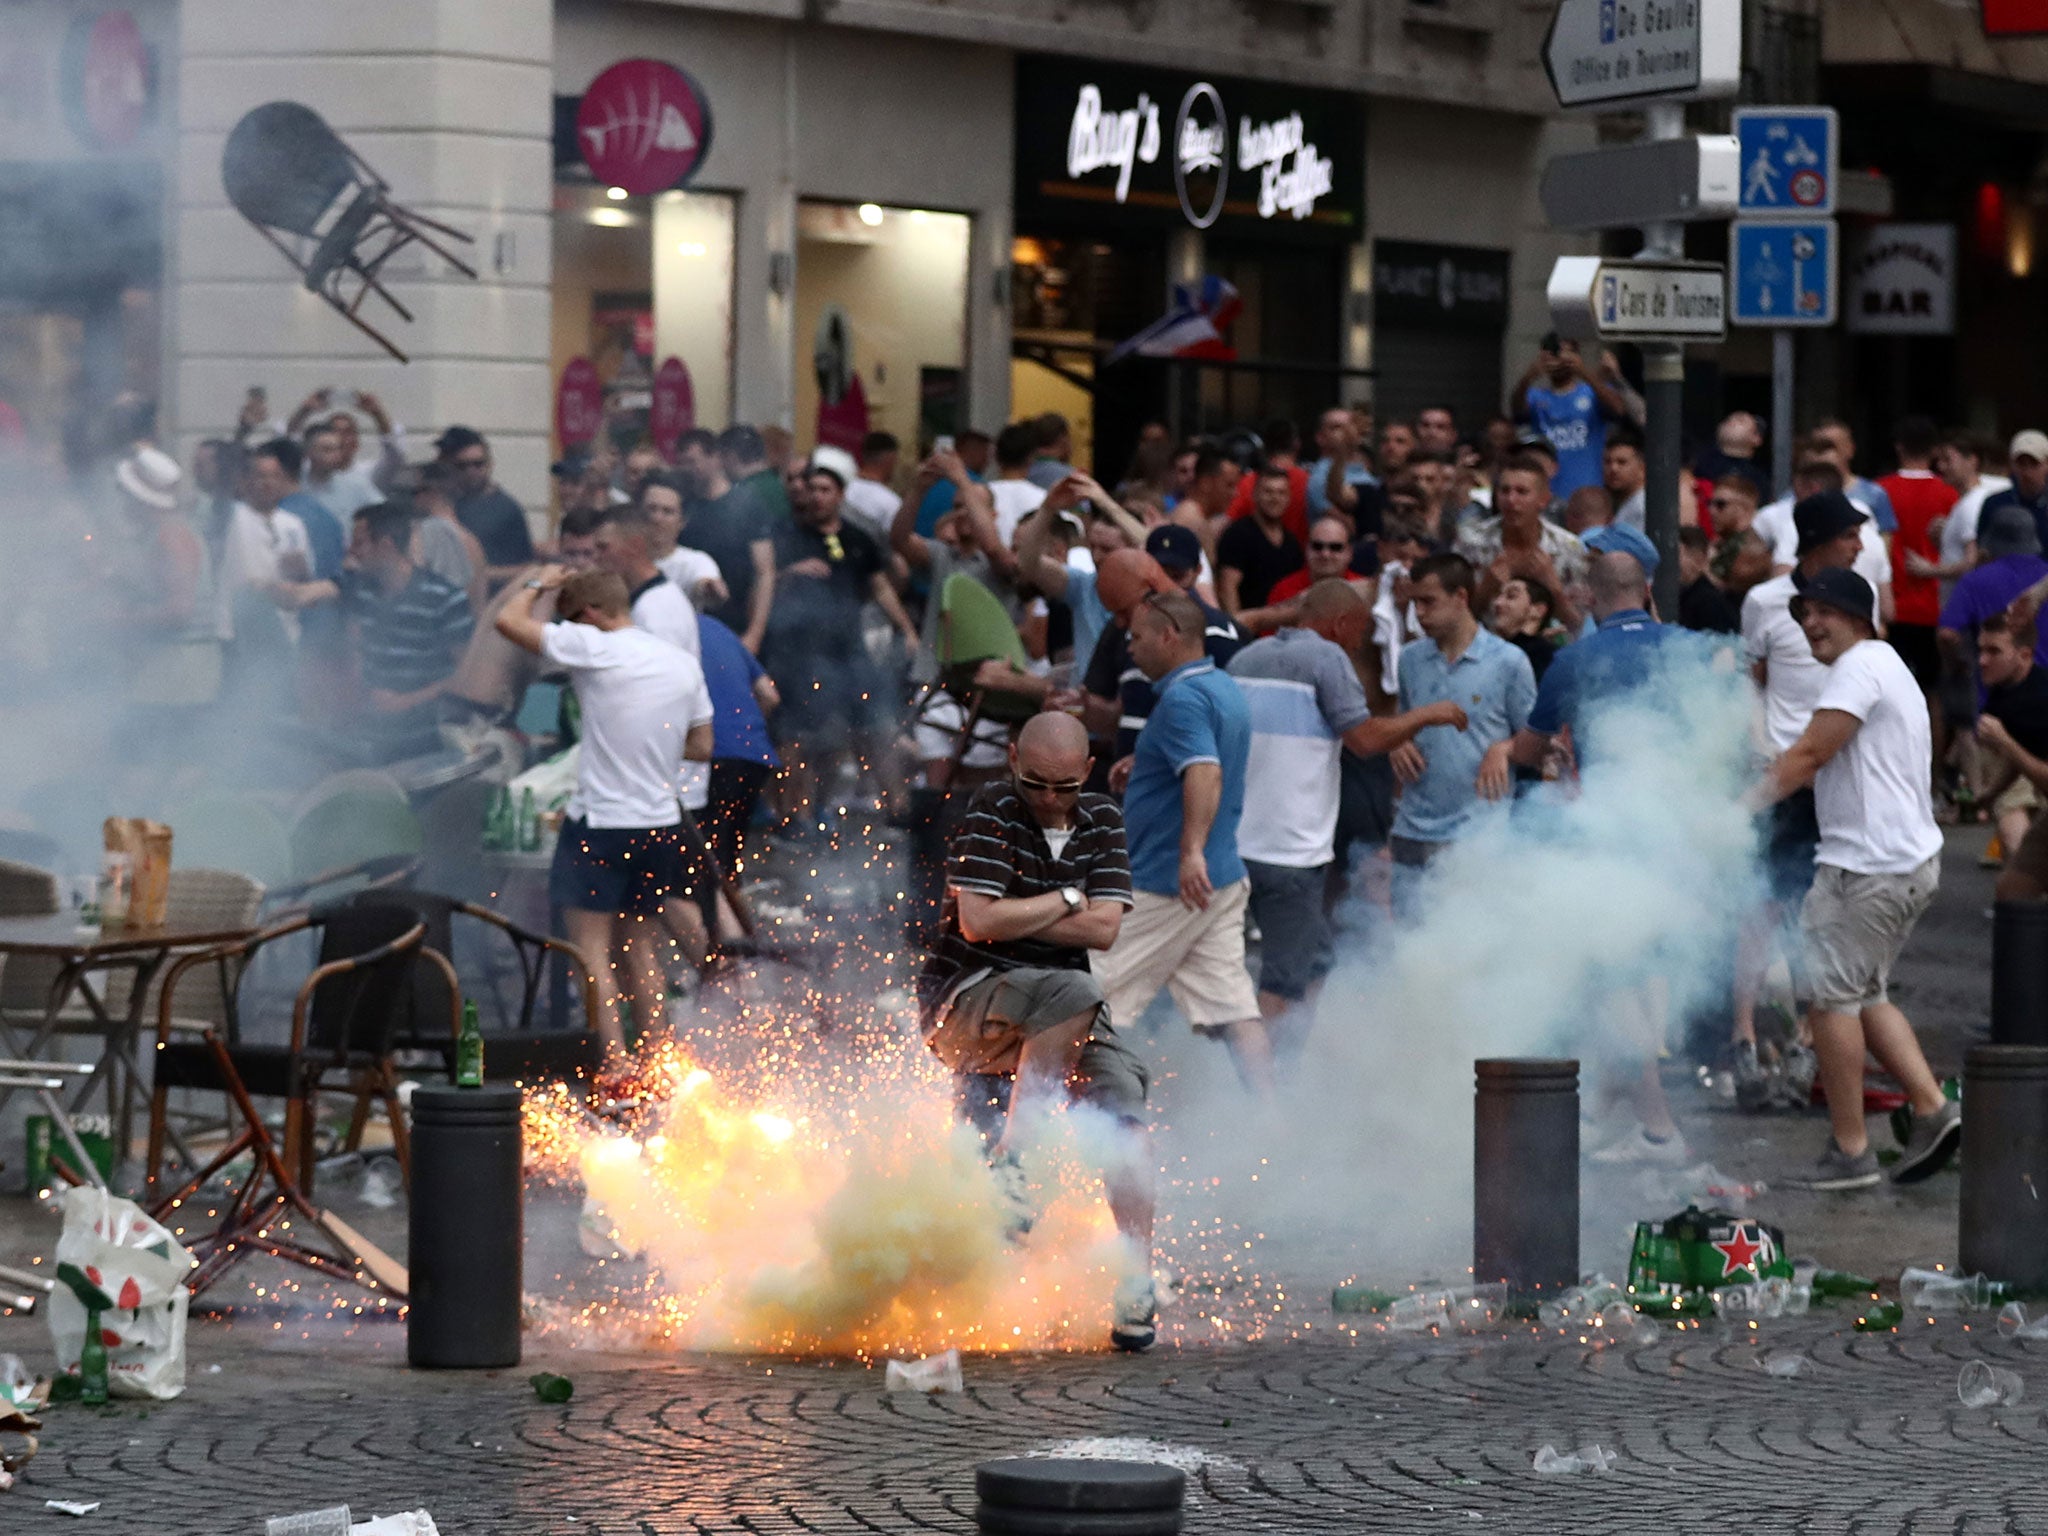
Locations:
638 280
881 323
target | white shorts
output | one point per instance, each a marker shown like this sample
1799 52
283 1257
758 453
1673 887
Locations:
1196 956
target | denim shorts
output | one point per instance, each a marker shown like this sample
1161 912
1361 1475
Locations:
1295 947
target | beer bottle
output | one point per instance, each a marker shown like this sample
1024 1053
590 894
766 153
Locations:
469 1050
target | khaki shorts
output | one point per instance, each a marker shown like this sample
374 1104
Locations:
983 1029
1196 956
2019 795
1855 926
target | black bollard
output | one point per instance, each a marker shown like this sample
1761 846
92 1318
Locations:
2019 973
1056 1496
2002 1218
1525 1175
467 1228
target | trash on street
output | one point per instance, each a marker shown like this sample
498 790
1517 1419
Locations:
1587 1458
934 1373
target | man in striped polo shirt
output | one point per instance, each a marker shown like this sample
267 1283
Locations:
1037 879
1307 704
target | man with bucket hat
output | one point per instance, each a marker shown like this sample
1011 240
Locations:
1865 752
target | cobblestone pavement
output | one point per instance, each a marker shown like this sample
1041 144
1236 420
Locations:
1310 1434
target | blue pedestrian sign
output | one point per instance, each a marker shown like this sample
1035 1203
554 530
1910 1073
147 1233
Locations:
1791 160
1782 273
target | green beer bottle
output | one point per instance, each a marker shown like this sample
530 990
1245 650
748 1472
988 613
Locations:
529 822
92 1361
469 1050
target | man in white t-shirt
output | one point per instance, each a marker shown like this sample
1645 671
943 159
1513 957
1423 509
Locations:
868 499
1775 526
646 713
1011 488
266 550
1960 462
1865 752
1307 705
625 545
1783 664
694 572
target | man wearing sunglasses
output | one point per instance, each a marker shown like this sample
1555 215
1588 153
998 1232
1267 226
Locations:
1037 878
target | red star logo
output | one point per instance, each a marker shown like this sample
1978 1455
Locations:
1739 1251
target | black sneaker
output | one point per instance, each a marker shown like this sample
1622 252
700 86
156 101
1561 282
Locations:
1931 1144
1752 1083
1135 1323
1837 1171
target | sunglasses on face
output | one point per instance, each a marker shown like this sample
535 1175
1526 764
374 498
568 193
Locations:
1050 786
1328 549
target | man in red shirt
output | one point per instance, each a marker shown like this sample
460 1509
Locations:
1281 442
1330 548
1921 499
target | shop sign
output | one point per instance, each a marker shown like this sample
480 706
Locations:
1902 281
674 408
643 125
1439 287
110 85
579 404
1149 146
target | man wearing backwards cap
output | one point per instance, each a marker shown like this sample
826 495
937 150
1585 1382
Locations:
2028 457
1865 752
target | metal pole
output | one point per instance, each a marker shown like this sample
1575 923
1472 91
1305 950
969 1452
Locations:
1782 380
1663 394
1525 1174
2002 1221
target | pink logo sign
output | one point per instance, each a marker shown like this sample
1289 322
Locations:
579 404
643 125
674 411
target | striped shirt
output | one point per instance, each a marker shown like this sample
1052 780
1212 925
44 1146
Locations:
413 637
1000 850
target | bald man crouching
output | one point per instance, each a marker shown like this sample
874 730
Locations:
1036 877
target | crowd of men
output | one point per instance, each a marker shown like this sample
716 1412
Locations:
1253 677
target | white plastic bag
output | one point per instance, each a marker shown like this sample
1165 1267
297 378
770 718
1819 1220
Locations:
142 1268
934 1373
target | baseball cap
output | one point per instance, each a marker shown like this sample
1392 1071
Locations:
1838 588
1621 539
1125 576
838 460
1174 547
1823 516
1529 440
2030 444
2008 530
570 466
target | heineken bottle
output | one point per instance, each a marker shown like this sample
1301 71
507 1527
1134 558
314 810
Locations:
469 1050
92 1361
529 822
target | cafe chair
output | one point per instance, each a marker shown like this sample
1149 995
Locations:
344 1022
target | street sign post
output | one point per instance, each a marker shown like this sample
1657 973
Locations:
1603 52
1783 274
1594 298
1694 177
1791 161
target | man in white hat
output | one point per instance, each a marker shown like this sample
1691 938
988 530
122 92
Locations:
167 598
2028 458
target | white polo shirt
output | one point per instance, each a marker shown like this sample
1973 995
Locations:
640 696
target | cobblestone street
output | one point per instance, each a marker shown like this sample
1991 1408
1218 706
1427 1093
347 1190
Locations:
1319 1432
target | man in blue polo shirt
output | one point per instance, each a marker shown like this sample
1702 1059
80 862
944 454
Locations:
1442 770
1588 679
1183 800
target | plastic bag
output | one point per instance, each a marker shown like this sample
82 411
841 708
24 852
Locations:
141 1268
1587 1458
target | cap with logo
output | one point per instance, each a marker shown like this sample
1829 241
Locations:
1174 547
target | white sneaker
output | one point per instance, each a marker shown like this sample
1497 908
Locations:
1637 1148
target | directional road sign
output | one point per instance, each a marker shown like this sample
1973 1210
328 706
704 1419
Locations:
1643 183
1592 297
1791 161
1603 51
1783 273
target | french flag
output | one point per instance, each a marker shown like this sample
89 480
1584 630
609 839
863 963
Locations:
1193 325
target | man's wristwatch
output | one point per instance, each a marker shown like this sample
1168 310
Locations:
535 585
1072 898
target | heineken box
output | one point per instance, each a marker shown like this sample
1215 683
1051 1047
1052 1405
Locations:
43 1138
1699 1250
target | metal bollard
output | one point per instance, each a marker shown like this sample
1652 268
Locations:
2019 973
2002 1218
1064 1496
467 1228
1525 1174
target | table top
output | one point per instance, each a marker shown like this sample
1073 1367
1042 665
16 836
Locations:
62 934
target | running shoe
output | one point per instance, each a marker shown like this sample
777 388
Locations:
1933 1142
1837 1171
